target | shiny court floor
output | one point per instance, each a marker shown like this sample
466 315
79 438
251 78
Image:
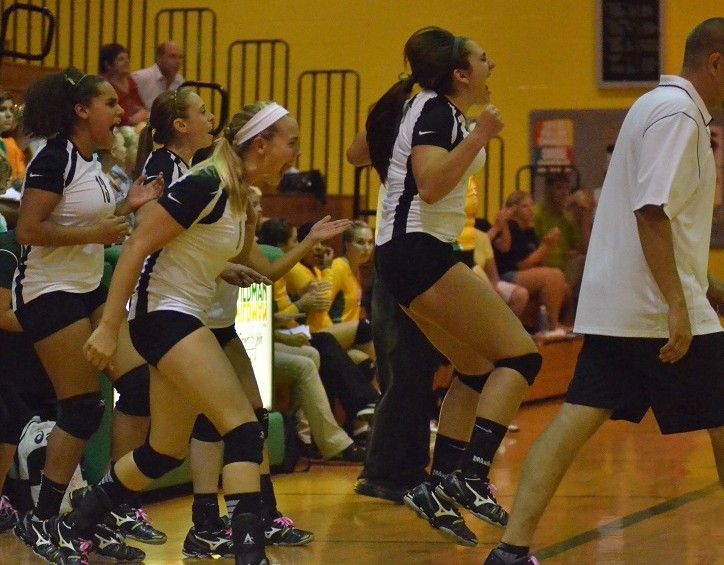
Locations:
633 497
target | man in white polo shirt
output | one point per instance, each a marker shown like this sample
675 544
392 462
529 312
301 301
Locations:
645 287
162 76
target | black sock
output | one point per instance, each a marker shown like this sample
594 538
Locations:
243 503
484 442
517 550
205 511
446 457
268 500
115 489
50 498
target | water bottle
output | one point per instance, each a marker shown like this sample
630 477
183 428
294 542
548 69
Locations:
543 319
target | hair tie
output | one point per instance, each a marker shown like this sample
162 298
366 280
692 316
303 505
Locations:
260 121
456 46
74 83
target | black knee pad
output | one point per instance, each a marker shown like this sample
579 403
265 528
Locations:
364 332
204 430
244 443
133 391
81 415
475 383
262 414
152 463
527 365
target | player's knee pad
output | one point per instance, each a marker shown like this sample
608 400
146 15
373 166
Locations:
81 415
262 414
244 443
133 391
204 430
152 463
475 383
527 365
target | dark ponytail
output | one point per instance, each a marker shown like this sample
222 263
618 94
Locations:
145 147
383 123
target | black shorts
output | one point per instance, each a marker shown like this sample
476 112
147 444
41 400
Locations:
154 334
625 375
225 335
54 311
411 263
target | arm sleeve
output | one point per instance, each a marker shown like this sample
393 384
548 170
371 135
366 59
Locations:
436 126
188 198
667 163
47 170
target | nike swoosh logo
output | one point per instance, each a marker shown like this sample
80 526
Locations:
34 175
426 132
171 197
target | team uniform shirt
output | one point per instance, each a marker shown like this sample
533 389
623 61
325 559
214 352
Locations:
346 292
428 119
297 279
167 162
9 258
182 276
663 156
86 197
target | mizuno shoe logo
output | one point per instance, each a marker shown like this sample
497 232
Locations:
213 544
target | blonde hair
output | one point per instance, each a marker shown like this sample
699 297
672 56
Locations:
226 158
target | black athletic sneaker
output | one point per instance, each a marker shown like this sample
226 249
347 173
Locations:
248 533
72 549
8 515
109 543
281 531
211 542
476 495
135 524
500 557
34 534
441 515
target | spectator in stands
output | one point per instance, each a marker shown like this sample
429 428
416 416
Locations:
162 75
569 252
9 146
66 217
342 378
423 151
514 295
114 66
520 259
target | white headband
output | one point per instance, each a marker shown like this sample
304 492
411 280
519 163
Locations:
264 118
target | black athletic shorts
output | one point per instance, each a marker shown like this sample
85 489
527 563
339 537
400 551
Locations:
154 334
224 335
54 311
625 375
411 263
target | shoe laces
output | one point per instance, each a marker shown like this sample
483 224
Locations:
84 549
5 504
141 516
284 522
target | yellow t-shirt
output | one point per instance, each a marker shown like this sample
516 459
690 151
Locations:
297 280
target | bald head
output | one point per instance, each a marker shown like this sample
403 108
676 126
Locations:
168 58
704 39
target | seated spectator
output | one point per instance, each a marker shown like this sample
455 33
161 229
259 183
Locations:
162 75
520 259
297 363
342 379
114 66
346 293
12 151
569 252
514 295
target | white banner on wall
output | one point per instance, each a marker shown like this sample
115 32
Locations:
254 327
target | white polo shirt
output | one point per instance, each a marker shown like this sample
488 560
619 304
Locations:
151 83
663 156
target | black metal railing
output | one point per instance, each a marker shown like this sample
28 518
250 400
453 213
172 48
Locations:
258 69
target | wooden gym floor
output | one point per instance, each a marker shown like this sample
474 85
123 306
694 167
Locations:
632 497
